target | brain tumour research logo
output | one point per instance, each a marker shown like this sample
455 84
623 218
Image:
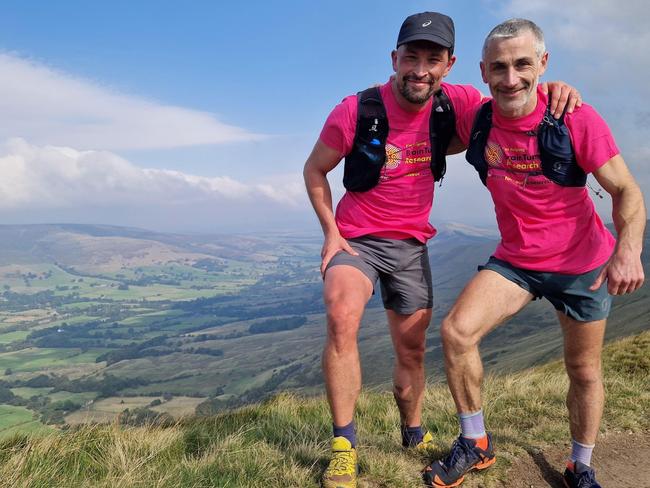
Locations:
393 156
494 154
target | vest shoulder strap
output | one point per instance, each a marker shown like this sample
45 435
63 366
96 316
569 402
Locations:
372 121
478 138
552 134
556 152
363 164
442 127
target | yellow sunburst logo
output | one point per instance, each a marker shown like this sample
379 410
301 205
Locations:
393 156
493 154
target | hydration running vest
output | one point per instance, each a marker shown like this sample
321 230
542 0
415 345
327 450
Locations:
368 155
555 150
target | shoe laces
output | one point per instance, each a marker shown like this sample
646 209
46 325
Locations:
342 463
458 451
586 479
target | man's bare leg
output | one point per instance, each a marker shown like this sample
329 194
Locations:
408 333
346 292
487 300
583 343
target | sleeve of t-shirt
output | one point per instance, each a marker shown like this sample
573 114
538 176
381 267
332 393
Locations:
340 126
591 137
466 100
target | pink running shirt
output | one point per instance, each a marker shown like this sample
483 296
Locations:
399 206
544 226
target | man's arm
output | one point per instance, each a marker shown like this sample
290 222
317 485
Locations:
455 146
321 161
562 96
623 272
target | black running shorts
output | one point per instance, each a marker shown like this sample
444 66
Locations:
569 294
401 265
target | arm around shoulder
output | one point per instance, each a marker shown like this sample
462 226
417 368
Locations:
562 97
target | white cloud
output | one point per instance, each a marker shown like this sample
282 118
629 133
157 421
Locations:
49 177
606 41
46 106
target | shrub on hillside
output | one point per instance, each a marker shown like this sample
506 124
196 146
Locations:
143 416
276 325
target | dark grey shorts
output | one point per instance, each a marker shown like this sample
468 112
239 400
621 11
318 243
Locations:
401 265
569 294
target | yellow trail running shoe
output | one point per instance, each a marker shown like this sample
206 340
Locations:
342 469
426 443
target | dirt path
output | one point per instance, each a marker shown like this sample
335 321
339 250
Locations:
620 461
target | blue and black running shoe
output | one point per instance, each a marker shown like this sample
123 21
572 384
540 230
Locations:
465 456
579 475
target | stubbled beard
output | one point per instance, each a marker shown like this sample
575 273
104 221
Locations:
413 96
521 101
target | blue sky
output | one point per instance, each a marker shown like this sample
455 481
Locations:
199 116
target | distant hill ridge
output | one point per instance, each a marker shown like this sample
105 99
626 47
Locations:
79 243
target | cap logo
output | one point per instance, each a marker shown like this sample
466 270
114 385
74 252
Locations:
426 24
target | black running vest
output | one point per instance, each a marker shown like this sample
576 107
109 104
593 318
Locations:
364 162
555 150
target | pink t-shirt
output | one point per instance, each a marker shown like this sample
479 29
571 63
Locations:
399 206
545 226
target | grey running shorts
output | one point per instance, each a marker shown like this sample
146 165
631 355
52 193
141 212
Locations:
402 266
569 294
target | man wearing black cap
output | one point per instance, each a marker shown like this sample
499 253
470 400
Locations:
394 152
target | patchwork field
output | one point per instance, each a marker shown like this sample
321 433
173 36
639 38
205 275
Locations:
15 420
107 410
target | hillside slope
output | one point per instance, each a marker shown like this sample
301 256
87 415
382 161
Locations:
283 442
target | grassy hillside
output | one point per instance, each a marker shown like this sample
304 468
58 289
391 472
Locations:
283 442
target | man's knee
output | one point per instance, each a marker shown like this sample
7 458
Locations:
409 336
411 356
343 320
341 310
454 337
584 373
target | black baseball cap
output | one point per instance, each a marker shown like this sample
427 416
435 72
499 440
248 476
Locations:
427 26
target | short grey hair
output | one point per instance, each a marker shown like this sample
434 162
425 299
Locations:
515 28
